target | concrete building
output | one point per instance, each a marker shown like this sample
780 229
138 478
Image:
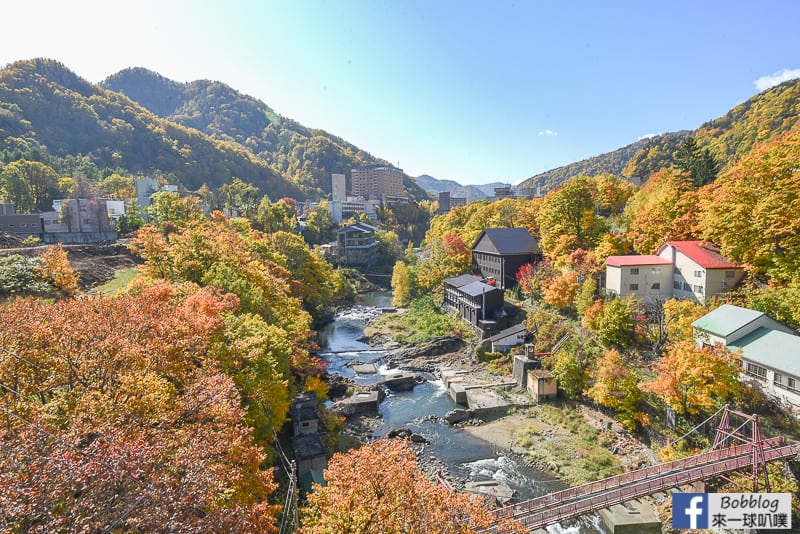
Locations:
498 253
542 385
448 202
338 188
770 351
639 276
374 181
357 244
700 271
22 224
145 187
693 270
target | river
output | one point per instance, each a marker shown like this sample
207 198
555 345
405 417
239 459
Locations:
465 456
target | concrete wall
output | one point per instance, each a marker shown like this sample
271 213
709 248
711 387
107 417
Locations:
719 281
650 280
72 238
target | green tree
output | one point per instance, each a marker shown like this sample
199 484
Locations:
616 324
698 164
172 208
320 227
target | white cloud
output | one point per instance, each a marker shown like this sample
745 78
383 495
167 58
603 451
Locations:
548 133
648 136
765 82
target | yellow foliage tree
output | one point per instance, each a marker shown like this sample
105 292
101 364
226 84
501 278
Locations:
57 270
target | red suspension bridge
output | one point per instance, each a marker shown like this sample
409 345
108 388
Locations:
734 450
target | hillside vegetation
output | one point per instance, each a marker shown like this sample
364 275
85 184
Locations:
758 120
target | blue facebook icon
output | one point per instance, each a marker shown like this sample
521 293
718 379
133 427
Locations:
689 510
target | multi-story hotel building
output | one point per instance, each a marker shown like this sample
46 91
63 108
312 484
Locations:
376 181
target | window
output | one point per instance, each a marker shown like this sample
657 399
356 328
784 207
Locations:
777 379
657 285
757 371
634 287
790 383
698 274
676 284
656 270
698 289
730 274
634 270
687 287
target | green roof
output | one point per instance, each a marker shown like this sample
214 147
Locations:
310 477
771 348
726 320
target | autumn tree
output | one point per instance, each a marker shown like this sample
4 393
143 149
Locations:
616 387
561 290
401 285
168 207
664 209
29 185
569 211
57 270
379 489
118 417
751 210
694 379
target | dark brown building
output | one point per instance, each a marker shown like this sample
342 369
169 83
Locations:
479 304
498 253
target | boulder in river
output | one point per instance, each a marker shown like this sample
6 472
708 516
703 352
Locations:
458 415
400 381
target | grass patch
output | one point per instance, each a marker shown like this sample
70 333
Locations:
424 320
122 277
573 449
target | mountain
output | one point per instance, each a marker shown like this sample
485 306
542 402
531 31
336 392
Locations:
192 134
436 186
304 155
48 112
759 119
613 162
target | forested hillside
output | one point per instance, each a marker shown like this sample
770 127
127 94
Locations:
758 120
306 156
191 134
46 108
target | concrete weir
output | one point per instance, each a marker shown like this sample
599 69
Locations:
632 517
481 397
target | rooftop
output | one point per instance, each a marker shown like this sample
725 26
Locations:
633 260
513 330
726 320
703 253
509 241
476 288
771 348
461 280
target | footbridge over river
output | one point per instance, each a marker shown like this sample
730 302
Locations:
739 449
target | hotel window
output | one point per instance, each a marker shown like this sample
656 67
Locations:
777 379
687 287
730 274
656 270
634 270
634 287
698 289
698 274
757 371
657 285
790 383
676 284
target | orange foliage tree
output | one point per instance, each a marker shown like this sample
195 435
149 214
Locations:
561 290
691 379
57 270
379 489
116 417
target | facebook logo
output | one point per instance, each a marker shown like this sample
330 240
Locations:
689 510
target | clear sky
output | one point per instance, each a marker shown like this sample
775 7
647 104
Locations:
463 90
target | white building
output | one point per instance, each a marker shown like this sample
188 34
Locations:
770 351
338 192
681 269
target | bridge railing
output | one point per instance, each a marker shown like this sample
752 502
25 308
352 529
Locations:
559 512
545 501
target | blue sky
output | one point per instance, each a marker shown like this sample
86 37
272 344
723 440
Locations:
469 91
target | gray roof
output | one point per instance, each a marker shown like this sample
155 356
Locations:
308 446
513 330
477 288
461 280
726 320
507 241
771 348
